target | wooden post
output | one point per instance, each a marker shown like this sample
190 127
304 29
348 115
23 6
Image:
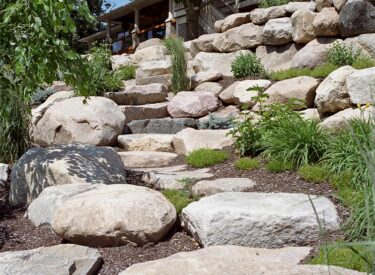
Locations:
135 32
170 28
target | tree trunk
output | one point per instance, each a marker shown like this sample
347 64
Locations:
192 8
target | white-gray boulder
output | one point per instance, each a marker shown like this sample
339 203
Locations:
342 119
153 53
303 29
147 142
235 20
326 22
278 31
292 7
146 159
275 58
361 86
203 77
212 87
261 16
211 187
244 95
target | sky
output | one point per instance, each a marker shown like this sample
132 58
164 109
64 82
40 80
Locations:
118 3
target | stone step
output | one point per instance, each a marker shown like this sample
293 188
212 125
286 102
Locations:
147 111
146 159
211 187
140 94
161 125
147 142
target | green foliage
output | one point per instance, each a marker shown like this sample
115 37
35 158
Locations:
341 54
245 65
179 198
278 166
363 63
320 71
215 122
247 164
103 78
206 157
341 255
126 72
41 95
313 173
272 3
176 47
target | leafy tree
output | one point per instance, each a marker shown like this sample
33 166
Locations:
34 51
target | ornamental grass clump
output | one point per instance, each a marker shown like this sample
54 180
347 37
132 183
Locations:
206 157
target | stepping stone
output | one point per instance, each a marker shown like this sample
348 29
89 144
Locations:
133 159
115 215
211 187
170 169
266 220
190 139
172 180
161 125
140 94
4 173
223 260
147 111
147 142
58 259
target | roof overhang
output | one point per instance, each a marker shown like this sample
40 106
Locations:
99 35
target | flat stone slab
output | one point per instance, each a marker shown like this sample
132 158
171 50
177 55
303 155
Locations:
4 173
224 260
147 159
59 259
211 187
147 142
169 169
266 220
147 111
161 125
172 180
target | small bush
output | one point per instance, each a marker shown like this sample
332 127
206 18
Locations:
278 166
214 122
313 173
322 71
340 54
272 3
179 198
247 164
126 72
206 157
245 65
179 64
41 96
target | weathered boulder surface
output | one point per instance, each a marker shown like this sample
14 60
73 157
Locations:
39 168
149 43
235 20
332 95
314 53
192 104
212 87
4 173
154 72
190 139
341 119
363 43
357 17
275 58
211 187
303 29
120 60
266 220
321 4
147 111
226 95
202 44
360 86
148 54
278 31
161 125
226 113
97 122
220 62
326 22
123 214
261 16
310 113
240 38
203 77
147 142
242 95
146 159
58 259
292 7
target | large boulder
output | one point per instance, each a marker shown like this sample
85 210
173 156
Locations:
332 95
212 87
63 164
119 61
292 7
361 86
221 260
96 122
303 30
278 31
147 142
190 139
114 215
275 58
341 120
357 17
140 94
58 260
149 43
226 95
203 77
326 22
261 16
161 125
154 72
192 104
258 219
235 20
364 43
148 54
202 44
220 62
321 4
242 95
314 53
243 37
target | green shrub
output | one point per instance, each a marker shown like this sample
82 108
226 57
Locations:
341 255
363 63
214 122
272 3
245 65
126 72
179 64
206 157
247 164
341 54
179 198
41 96
321 71
278 166
313 173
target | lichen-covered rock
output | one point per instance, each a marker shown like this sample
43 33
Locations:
326 22
202 44
275 58
235 20
321 4
148 54
278 31
303 30
261 16
360 86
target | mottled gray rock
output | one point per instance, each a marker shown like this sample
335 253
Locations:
365 43
212 87
211 187
226 113
146 159
321 4
275 58
149 43
202 44
226 95
261 16
278 31
265 220
120 60
39 168
4 173
291 7
326 22
361 86
58 260
235 20
203 77
161 125
341 119
149 54
147 142
303 29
